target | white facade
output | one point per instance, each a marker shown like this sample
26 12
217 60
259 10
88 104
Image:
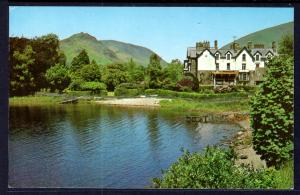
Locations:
243 61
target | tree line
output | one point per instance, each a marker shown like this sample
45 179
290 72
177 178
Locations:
38 64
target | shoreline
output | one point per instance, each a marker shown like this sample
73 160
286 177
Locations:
242 145
140 101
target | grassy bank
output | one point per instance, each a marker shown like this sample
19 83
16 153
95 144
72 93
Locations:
182 105
34 100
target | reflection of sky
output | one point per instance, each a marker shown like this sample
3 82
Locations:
167 31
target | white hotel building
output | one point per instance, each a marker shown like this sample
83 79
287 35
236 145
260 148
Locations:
236 65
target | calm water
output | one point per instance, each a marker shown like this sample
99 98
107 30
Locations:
100 146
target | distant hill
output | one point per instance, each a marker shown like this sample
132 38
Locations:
105 51
266 36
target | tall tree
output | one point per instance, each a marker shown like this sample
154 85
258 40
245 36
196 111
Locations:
21 79
80 60
155 72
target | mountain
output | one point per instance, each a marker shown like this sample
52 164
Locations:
105 51
266 36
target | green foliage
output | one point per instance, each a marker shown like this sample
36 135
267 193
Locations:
214 169
206 88
21 78
128 89
136 72
94 87
90 72
79 61
272 112
39 53
155 72
286 45
194 95
114 74
58 77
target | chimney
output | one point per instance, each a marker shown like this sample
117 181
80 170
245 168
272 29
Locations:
274 46
216 44
249 45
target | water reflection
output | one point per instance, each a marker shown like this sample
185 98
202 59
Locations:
99 146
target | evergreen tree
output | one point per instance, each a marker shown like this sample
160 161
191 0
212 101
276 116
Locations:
80 60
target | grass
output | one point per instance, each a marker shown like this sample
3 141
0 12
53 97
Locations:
34 100
183 105
285 176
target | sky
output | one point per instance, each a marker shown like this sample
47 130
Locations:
168 31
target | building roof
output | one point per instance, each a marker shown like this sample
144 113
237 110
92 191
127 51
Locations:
192 52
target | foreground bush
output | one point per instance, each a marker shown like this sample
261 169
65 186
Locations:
214 169
272 112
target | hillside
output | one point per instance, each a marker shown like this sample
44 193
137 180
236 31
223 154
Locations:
266 36
105 51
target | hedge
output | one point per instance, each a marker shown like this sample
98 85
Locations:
193 95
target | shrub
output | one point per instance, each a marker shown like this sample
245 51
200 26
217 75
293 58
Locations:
128 89
193 95
206 88
272 112
185 85
214 168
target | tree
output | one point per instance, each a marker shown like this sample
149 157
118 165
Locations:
58 77
90 72
78 61
21 78
272 110
46 54
155 72
172 74
136 72
286 45
114 74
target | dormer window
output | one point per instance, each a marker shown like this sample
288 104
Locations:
257 57
244 57
217 56
228 56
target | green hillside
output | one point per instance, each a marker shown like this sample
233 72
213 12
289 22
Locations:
106 51
266 36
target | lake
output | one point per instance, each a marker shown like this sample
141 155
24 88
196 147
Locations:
98 146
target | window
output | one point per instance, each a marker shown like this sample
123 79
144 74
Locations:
244 78
243 66
217 66
217 56
244 57
228 66
257 57
228 56
257 65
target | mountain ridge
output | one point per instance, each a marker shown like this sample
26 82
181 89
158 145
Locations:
105 51
265 36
